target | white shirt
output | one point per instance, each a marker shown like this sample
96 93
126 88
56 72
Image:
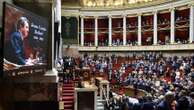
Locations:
133 100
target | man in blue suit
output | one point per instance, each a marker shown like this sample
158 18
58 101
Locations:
17 41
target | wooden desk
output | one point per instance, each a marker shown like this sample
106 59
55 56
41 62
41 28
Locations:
85 98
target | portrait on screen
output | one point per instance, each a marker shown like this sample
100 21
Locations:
25 38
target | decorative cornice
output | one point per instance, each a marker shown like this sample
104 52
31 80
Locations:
124 15
172 9
155 12
189 5
147 14
109 16
139 48
164 11
130 11
131 16
113 4
96 17
70 13
139 14
81 16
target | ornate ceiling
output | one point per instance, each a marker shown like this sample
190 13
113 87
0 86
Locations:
101 4
109 3
105 3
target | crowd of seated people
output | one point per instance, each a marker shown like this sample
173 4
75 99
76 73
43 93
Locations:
147 23
181 41
181 18
169 101
117 42
163 21
160 76
89 43
171 78
131 43
132 24
148 41
103 43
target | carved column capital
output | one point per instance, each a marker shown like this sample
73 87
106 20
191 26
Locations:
82 16
139 14
109 16
171 9
155 12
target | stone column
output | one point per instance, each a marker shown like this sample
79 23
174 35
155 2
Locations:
172 25
53 36
82 31
110 30
101 94
96 31
95 99
108 89
139 29
155 29
124 30
191 31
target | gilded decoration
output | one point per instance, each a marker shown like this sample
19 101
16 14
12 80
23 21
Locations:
113 3
110 4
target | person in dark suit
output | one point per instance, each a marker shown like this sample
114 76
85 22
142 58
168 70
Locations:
182 104
166 104
16 41
148 106
191 87
191 107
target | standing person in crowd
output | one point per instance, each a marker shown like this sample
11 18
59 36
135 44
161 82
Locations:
166 103
191 107
191 86
182 104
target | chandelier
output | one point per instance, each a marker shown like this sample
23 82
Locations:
103 3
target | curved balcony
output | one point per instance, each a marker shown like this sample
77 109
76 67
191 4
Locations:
111 4
154 27
139 48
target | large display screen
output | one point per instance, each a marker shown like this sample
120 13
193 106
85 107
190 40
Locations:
25 41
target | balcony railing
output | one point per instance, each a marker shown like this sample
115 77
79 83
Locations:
139 48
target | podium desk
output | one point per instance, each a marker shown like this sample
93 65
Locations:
85 98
